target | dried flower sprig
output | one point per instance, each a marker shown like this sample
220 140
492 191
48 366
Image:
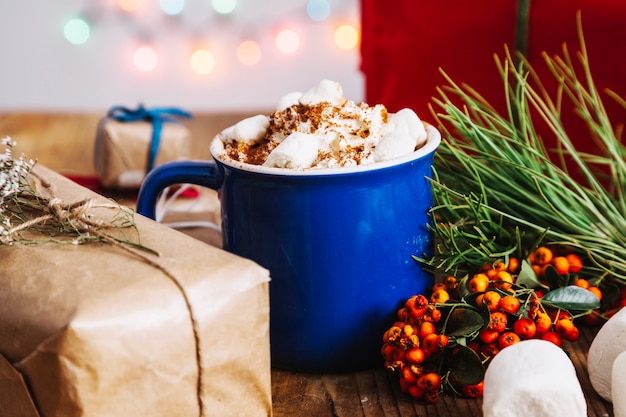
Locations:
13 172
499 192
13 179
30 211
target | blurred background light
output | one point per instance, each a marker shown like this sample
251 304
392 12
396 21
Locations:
318 10
129 5
249 52
145 59
172 7
202 62
76 31
287 41
224 6
347 37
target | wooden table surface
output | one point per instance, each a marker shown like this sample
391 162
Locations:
64 143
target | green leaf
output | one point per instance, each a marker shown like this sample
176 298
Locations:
463 290
527 277
572 297
553 278
466 367
463 321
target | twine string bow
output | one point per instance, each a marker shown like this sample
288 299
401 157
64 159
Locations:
157 116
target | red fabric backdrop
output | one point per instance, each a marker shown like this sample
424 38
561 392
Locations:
405 42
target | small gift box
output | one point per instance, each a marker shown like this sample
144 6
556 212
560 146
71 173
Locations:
102 329
129 143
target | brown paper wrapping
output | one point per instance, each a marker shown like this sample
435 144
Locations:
121 150
91 330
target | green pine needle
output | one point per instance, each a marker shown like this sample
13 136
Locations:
499 192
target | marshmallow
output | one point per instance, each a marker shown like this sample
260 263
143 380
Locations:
403 133
406 120
296 151
608 343
618 385
532 378
325 91
394 145
248 130
288 100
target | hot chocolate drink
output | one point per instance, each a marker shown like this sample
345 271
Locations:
321 129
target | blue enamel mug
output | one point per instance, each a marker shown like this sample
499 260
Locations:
338 244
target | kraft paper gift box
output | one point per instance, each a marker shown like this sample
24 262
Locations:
129 143
94 330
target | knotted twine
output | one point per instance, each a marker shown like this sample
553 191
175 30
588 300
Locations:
156 116
77 216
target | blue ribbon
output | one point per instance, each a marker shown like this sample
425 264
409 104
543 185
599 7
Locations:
157 116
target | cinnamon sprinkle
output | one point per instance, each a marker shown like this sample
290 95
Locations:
352 126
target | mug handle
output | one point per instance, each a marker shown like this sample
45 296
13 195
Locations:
202 173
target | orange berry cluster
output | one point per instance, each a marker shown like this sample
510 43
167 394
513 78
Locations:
509 323
414 346
543 257
516 315
570 264
408 345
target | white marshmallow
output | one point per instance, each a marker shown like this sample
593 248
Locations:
248 130
325 91
403 133
394 145
296 151
532 378
288 100
618 385
407 121
609 342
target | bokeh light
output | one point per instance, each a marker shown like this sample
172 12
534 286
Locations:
249 52
172 7
145 59
318 10
287 41
129 5
76 31
224 6
346 37
202 62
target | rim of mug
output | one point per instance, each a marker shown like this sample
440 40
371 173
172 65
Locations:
433 139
